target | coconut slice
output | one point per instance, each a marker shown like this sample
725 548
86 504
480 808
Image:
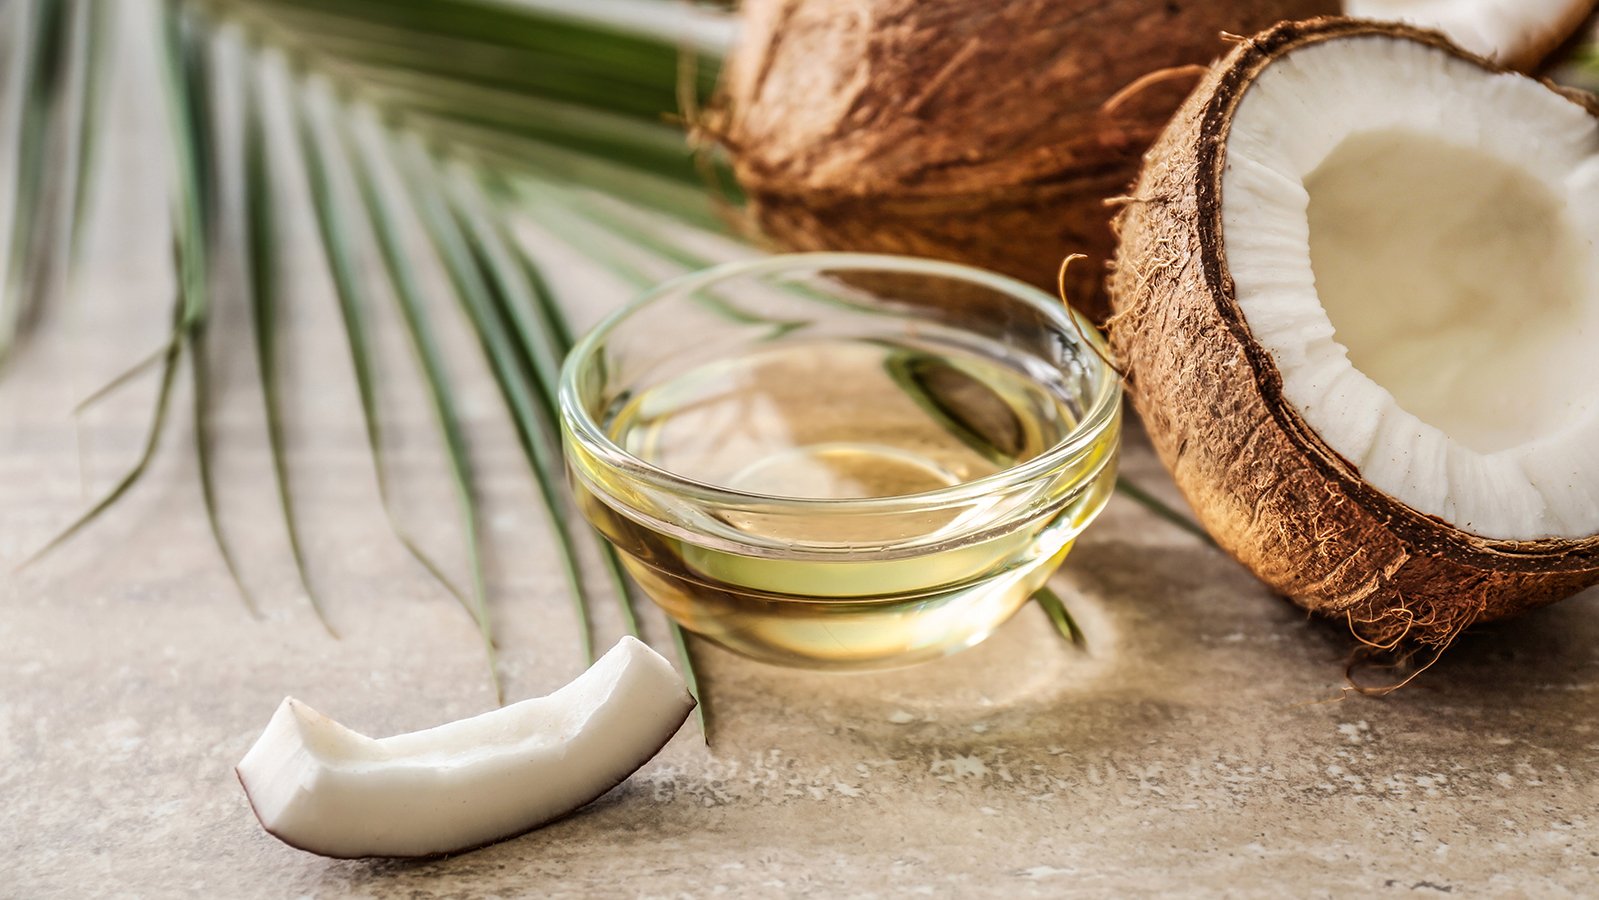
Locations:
1516 33
1358 294
321 787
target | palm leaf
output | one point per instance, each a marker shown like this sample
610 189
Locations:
377 55
171 356
383 217
91 26
198 203
624 63
32 103
438 120
336 228
261 290
533 425
1055 608
204 452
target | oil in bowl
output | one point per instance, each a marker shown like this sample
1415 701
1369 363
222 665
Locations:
841 461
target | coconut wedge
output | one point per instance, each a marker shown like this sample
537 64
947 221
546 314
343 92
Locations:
1357 291
318 786
1514 33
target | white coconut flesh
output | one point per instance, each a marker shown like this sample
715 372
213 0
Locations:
319 786
1412 239
1503 30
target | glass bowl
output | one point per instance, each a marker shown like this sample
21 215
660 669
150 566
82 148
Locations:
841 460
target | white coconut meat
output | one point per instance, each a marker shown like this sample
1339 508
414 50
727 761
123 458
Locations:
321 787
1412 238
1509 31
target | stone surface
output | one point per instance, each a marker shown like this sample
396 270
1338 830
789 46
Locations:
1202 745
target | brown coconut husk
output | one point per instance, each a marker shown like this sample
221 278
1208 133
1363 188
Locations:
965 130
1265 485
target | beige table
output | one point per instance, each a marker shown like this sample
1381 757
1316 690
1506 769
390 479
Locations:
1200 746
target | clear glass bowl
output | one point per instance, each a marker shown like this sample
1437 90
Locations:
841 460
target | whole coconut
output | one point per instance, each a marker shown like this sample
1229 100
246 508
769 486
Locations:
967 130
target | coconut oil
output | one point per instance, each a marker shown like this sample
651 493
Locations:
835 423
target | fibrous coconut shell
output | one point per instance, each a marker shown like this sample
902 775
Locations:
1265 485
962 129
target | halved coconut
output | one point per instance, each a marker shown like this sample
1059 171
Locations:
1358 293
1514 33
318 786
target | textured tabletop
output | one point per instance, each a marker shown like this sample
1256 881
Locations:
1201 745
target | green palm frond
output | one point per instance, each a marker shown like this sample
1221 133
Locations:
444 97
588 90
423 132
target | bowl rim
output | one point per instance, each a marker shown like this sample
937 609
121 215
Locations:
1101 414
